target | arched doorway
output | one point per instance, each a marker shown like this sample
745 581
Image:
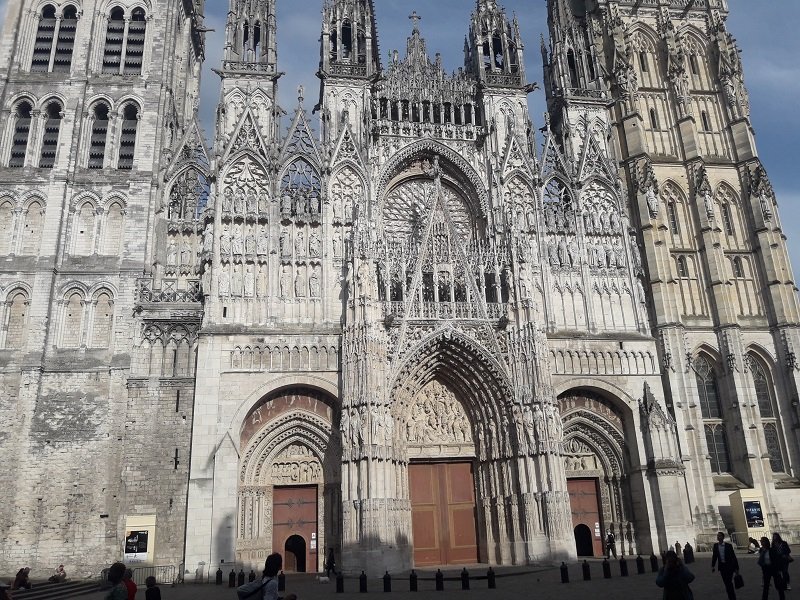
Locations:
294 555
289 473
583 540
596 463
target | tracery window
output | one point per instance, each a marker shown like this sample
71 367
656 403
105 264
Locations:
52 126
717 441
99 136
127 139
22 129
763 389
16 319
674 225
773 442
707 388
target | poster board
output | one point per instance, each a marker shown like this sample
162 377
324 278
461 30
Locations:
140 539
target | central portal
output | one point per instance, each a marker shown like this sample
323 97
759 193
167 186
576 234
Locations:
443 513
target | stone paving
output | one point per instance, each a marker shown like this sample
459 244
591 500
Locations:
542 583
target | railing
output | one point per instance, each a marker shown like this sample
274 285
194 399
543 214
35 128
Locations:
164 574
168 293
444 310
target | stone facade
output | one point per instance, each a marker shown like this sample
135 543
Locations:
189 338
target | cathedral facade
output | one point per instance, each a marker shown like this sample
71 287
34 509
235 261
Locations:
423 332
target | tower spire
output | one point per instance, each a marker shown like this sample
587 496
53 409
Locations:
349 39
497 47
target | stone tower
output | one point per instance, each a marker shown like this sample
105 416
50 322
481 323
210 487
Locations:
96 100
720 292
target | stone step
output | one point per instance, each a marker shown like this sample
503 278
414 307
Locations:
51 591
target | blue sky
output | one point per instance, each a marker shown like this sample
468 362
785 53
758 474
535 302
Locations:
766 31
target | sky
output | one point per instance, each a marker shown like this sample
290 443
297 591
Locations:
766 32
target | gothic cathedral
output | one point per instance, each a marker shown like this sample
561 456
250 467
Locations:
405 325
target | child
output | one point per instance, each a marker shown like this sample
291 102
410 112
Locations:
152 592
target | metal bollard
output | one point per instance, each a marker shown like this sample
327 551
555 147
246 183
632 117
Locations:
387 582
587 573
241 577
362 583
564 573
232 579
340 583
640 565
623 567
439 580
465 579
252 576
606 569
412 581
654 563
490 578
219 576
281 582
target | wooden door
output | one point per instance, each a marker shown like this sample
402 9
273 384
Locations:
294 513
584 500
443 513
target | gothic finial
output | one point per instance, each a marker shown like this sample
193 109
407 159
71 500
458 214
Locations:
300 94
415 18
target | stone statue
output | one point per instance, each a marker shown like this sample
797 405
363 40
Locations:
208 238
187 255
249 282
286 204
225 243
172 254
286 242
286 282
300 243
261 282
300 283
337 244
238 242
236 281
314 283
250 244
227 200
224 283
315 244
262 244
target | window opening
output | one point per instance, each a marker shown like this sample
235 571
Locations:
573 69
115 35
773 442
22 129
127 141
683 269
43 45
52 125
707 389
674 224
644 63
726 219
134 48
738 269
65 43
654 119
97 144
717 442
706 121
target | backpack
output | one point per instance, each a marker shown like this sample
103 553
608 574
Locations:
249 590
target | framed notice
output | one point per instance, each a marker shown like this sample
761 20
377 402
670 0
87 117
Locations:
753 514
136 546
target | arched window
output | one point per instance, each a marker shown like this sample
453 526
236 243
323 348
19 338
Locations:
706 122
73 321
683 269
347 40
717 441
45 34
97 143
674 223
654 119
22 129
738 269
103 320
643 62
573 69
763 390
707 388
727 220
32 230
115 36
773 443
127 140
694 65
112 235
134 48
65 43
52 126
257 40
6 227
84 230
17 320
497 50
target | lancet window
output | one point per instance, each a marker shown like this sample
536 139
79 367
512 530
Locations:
22 129
99 136
16 319
55 39
712 414
125 42
52 127
127 139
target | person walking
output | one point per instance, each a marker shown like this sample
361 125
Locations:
330 563
675 578
786 551
130 584
771 560
267 587
724 558
611 544
118 591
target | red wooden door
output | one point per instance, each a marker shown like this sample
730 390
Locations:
294 513
584 500
443 513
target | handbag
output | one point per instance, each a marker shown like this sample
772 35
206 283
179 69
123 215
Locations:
248 591
738 581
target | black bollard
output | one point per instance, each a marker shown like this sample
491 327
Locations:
340 583
281 582
623 567
564 573
640 565
606 569
232 579
219 576
654 563
241 577
491 579
439 580
362 583
587 573
387 582
465 579
412 581
252 576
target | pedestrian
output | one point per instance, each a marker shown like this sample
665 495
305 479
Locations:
770 559
130 584
267 587
118 591
786 551
152 592
678 549
59 576
330 563
675 578
611 544
22 580
724 558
